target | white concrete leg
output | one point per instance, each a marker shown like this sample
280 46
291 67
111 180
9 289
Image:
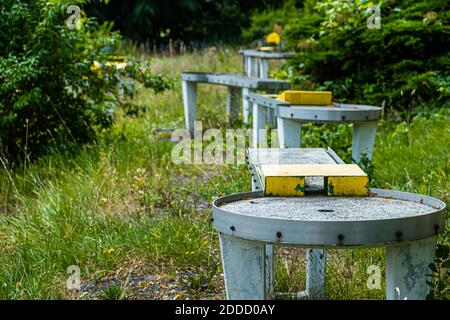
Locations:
245 64
271 119
233 103
244 268
247 106
248 66
270 264
252 67
190 102
289 133
264 68
316 265
363 140
259 125
407 269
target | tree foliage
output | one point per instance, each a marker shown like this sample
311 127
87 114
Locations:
57 84
403 65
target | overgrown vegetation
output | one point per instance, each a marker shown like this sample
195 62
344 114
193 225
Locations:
58 85
121 207
404 65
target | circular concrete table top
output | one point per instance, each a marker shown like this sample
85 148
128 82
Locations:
384 218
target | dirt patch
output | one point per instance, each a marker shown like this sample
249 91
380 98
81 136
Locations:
147 287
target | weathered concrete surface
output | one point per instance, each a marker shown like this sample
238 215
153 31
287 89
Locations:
323 208
290 156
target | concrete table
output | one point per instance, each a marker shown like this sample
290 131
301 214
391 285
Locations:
290 117
256 63
405 223
238 85
315 258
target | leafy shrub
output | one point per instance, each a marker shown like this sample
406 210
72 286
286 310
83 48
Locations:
403 65
440 271
58 85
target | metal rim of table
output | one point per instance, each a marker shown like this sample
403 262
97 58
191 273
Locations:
252 53
332 234
228 79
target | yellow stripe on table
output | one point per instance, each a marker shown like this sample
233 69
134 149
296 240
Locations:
313 98
289 180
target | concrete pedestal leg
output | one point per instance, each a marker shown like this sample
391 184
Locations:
407 269
259 124
244 267
247 106
252 67
316 265
271 119
363 140
270 266
190 103
289 133
264 69
245 64
233 103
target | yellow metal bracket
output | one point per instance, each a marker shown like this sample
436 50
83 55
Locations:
309 98
289 180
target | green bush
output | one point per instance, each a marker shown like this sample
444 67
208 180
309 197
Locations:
57 84
403 65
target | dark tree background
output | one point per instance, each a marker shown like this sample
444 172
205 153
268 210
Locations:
192 21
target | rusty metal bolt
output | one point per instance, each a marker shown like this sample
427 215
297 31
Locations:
436 228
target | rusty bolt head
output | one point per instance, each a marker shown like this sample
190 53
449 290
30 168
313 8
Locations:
436 228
